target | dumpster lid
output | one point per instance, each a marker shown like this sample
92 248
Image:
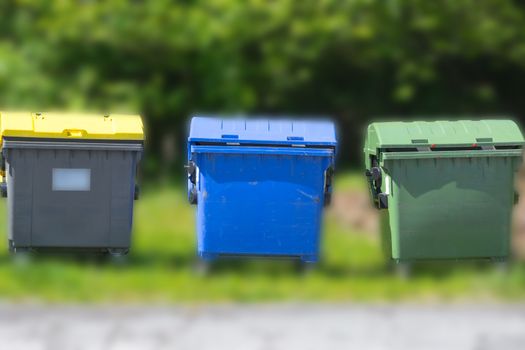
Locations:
71 126
262 131
461 133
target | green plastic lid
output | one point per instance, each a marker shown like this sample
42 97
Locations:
442 133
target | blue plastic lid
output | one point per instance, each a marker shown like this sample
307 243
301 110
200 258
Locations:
205 129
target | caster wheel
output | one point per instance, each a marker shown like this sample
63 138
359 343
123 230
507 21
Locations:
403 270
22 257
501 266
304 268
118 256
202 268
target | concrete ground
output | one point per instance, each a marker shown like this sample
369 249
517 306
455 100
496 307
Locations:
263 327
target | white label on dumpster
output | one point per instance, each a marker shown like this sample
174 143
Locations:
71 179
387 184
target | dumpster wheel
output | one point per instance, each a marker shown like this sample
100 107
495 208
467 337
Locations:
18 250
117 252
401 269
304 268
501 265
202 267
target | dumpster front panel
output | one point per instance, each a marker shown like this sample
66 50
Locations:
260 203
450 208
70 198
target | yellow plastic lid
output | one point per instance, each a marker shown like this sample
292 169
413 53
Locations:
71 126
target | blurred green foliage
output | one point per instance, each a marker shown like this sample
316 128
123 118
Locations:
161 268
350 59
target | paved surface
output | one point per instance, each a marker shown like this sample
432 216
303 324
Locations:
264 327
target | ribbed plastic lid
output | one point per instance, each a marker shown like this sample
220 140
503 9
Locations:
71 126
264 131
443 133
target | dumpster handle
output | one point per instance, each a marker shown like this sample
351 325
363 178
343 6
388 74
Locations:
3 184
191 169
3 189
74 132
136 193
374 177
329 174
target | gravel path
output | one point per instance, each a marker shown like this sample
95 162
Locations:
264 327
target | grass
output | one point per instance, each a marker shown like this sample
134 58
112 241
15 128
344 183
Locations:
160 268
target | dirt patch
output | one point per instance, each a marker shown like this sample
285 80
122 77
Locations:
518 222
518 231
352 209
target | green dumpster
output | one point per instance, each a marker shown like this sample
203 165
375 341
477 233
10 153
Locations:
445 189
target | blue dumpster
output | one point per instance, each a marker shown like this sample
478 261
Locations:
260 185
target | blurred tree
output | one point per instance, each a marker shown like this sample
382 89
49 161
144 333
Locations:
352 59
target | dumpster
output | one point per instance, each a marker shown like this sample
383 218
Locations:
445 188
260 185
70 180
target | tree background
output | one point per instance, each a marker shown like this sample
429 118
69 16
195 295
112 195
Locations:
352 60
